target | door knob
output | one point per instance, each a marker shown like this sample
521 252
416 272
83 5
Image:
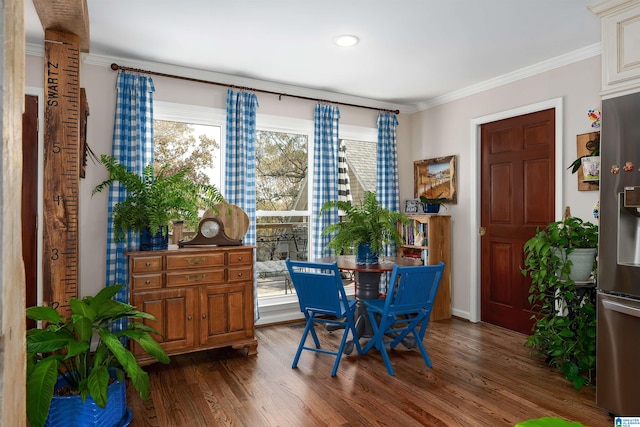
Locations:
482 231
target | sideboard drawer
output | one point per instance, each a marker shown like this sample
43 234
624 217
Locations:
146 264
240 274
195 277
195 260
146 281
241 257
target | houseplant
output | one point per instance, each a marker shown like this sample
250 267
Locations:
366 228
432 204
62 353
565 324
155 199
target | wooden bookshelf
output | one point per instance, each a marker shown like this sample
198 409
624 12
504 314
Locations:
429 237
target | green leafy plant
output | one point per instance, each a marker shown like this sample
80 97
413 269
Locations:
366 223
63 348
155 199
438 200
565 324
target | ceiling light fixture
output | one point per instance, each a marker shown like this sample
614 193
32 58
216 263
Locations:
346 40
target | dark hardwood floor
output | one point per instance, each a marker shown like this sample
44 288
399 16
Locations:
482 376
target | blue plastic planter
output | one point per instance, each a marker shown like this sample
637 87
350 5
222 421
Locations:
69 411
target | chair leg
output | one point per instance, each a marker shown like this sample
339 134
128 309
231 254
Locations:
308 328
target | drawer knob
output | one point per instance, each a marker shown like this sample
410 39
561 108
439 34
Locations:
148 264
147 282
204 316
240 258
240 274
189 317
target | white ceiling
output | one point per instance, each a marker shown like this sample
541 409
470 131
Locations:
410 52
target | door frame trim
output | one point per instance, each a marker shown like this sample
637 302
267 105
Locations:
39 92
474 184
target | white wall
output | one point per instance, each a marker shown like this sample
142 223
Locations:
99 83
445 130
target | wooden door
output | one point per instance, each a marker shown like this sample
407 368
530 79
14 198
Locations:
517 196
30 200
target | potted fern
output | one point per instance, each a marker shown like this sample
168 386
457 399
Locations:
69 382
365 229
153 200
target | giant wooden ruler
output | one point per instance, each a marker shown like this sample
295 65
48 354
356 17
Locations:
61 168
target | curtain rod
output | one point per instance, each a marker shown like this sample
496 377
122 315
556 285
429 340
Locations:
116 67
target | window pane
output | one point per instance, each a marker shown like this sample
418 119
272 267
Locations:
281 171
178 145
361 162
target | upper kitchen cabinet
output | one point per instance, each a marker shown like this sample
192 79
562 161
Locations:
620 23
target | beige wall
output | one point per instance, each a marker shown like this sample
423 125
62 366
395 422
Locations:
439 131
446 130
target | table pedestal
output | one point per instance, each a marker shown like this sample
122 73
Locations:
367 287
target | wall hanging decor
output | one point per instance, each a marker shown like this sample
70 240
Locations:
436 178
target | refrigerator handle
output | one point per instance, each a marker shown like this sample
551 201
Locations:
621 308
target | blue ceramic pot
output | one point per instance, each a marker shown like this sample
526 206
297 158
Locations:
429 208
154 242
364 255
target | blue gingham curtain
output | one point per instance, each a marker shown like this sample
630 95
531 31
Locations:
325 174
133 147
240 163
387 166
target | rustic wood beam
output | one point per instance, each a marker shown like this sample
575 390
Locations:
71 16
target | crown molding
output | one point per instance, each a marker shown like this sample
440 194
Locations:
227 79
540 67
605 7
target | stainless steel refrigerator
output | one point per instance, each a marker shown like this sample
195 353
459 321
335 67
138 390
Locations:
618 309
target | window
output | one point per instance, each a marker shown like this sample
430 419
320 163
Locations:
282 200
361 165
190 136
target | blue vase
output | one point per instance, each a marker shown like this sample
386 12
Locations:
70 411
364 255
154 242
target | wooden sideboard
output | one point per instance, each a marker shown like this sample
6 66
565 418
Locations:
202 298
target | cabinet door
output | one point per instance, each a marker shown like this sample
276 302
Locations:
226 313
175 311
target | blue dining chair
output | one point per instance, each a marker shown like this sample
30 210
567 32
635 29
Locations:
323 300
403 315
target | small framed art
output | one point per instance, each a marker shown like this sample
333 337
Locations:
412 206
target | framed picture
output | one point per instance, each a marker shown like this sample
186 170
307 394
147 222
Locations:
436 178
412 206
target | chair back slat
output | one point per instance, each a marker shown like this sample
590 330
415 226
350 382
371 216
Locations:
413 288
318 286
